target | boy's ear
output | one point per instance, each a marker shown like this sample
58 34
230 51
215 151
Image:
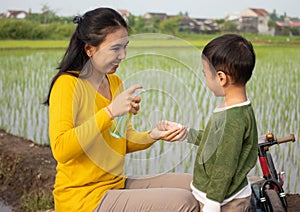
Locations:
89 50
223 78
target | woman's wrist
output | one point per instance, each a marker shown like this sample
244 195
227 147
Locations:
153 137
109 112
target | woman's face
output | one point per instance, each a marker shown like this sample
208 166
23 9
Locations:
109 54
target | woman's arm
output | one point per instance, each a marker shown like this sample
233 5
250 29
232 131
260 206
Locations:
143 140
69 136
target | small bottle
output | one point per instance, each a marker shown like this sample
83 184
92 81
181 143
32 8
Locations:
120 123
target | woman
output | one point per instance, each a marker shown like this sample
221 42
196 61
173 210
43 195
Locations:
84 98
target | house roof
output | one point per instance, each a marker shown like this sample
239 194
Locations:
124 12
259 12
15 13
288 24
295 24
254 12
161 16
157 14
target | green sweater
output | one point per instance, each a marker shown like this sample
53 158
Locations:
227 152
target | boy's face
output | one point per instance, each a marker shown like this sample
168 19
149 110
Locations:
212 80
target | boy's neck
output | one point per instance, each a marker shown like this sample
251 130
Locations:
234 95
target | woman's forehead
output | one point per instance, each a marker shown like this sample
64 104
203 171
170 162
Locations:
119 36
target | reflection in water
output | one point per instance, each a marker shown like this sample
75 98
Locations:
4 208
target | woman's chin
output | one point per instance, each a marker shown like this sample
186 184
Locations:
113 70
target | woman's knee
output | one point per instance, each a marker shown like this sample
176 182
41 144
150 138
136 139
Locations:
186 201
168 180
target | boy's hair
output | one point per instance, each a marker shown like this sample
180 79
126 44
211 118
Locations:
232 54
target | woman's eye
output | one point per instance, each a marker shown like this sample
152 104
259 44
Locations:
119 48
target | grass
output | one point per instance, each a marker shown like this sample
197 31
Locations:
33 44
196 40
37 201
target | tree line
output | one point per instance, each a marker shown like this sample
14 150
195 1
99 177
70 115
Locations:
48 25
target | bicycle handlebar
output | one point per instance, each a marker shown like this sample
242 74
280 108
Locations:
270 140
286 139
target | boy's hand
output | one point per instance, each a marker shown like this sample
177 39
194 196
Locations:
169 131
167 125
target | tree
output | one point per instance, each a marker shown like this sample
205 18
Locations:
131 20
229 26
273 16
154 25
170 26
48 15
139 25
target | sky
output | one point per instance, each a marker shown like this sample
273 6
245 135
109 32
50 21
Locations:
195 8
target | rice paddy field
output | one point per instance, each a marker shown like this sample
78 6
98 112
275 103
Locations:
171 73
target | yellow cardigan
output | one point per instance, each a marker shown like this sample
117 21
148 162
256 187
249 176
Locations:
89 160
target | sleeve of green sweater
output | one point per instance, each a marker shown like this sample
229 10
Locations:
194 136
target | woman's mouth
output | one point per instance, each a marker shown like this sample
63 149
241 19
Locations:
115 65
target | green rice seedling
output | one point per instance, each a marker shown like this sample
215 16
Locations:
176 91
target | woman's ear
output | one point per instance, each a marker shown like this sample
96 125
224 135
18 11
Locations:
89 50
223 78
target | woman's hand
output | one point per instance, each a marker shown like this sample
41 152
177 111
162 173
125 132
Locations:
125 102
169 131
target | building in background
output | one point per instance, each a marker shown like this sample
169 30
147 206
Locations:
15 14
254 20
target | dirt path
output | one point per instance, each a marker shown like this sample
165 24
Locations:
27 173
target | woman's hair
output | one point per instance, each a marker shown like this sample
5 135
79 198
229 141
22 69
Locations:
232 54
92 29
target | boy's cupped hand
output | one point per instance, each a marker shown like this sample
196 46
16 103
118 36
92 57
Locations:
170 131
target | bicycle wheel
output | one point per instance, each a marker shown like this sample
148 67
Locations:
271 166
274 201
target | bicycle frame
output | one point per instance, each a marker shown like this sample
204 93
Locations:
272 182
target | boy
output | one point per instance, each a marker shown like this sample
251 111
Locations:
228 145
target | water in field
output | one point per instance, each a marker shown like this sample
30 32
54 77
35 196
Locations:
171 74
4 208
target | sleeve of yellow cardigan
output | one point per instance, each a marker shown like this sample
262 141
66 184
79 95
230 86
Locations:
137 140
63 107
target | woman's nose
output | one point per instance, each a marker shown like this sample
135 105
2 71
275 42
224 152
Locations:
122 54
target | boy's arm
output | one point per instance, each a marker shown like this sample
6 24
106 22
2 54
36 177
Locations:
194 136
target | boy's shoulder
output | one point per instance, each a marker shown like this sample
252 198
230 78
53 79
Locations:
235 114
237 108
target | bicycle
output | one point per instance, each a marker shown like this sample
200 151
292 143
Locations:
268 193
